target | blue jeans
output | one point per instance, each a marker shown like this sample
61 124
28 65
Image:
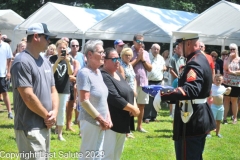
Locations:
193 148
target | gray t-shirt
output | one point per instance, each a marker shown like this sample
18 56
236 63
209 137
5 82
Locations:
175 62
26 71
88 80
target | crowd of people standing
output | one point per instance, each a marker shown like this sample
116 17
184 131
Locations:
103 87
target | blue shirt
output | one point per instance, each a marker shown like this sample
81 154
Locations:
129 74
5 54
80 58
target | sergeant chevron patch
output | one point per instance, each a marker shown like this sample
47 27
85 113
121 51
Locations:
191 76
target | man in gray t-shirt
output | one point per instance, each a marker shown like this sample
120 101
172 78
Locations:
34 94
175 62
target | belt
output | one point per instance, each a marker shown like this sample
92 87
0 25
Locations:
155 81
195 101
199 101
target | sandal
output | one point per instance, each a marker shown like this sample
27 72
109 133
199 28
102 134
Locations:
235 122
146 121
129 136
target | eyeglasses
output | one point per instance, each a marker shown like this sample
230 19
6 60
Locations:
75 45
114 59
139 42
99 52
232 49
214 56
47 37
224 54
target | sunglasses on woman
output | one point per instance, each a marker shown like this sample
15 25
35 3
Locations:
114 59
139 42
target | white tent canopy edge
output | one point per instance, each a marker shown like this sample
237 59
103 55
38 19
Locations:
218 25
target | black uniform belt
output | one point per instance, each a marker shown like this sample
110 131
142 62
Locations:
155 81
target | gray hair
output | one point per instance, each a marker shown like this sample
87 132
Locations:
156 45
90 45
73 40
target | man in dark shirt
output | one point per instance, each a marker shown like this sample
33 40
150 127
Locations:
193 118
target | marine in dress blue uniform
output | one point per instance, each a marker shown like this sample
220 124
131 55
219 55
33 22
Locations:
194 85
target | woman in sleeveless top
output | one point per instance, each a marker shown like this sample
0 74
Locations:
231 78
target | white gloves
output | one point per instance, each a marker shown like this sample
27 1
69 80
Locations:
157 101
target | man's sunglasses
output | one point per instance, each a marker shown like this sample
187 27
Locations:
45 36
114 59
75 45
139 42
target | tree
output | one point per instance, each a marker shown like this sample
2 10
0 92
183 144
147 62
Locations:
27 7
194 6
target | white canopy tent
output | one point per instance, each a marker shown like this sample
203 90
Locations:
8 21
218 25
155 24
65 20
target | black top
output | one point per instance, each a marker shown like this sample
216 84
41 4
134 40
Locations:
220 63
62 81
217 67
194 83
120 93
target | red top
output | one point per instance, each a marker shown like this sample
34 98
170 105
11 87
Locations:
210 61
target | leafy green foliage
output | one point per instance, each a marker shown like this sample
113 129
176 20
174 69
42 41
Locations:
27 7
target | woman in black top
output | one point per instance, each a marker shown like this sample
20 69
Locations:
62 69
214 55
120 103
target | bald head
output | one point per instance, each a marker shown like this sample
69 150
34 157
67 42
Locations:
155 49
4 36
65 39
189 46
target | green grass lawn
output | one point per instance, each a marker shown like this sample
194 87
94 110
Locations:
155 145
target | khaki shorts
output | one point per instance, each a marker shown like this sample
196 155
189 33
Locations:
33 144
142 97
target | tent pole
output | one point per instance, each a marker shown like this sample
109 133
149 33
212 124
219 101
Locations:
223 45
171 48
83 42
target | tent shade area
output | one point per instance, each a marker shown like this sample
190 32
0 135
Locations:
8 21
155 24
65 20
218 25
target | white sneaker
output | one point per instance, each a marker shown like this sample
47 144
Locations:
61 139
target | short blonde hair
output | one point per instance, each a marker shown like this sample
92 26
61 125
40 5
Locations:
24 39
53 46
61 41
164 52
218 76
19 45
125 51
